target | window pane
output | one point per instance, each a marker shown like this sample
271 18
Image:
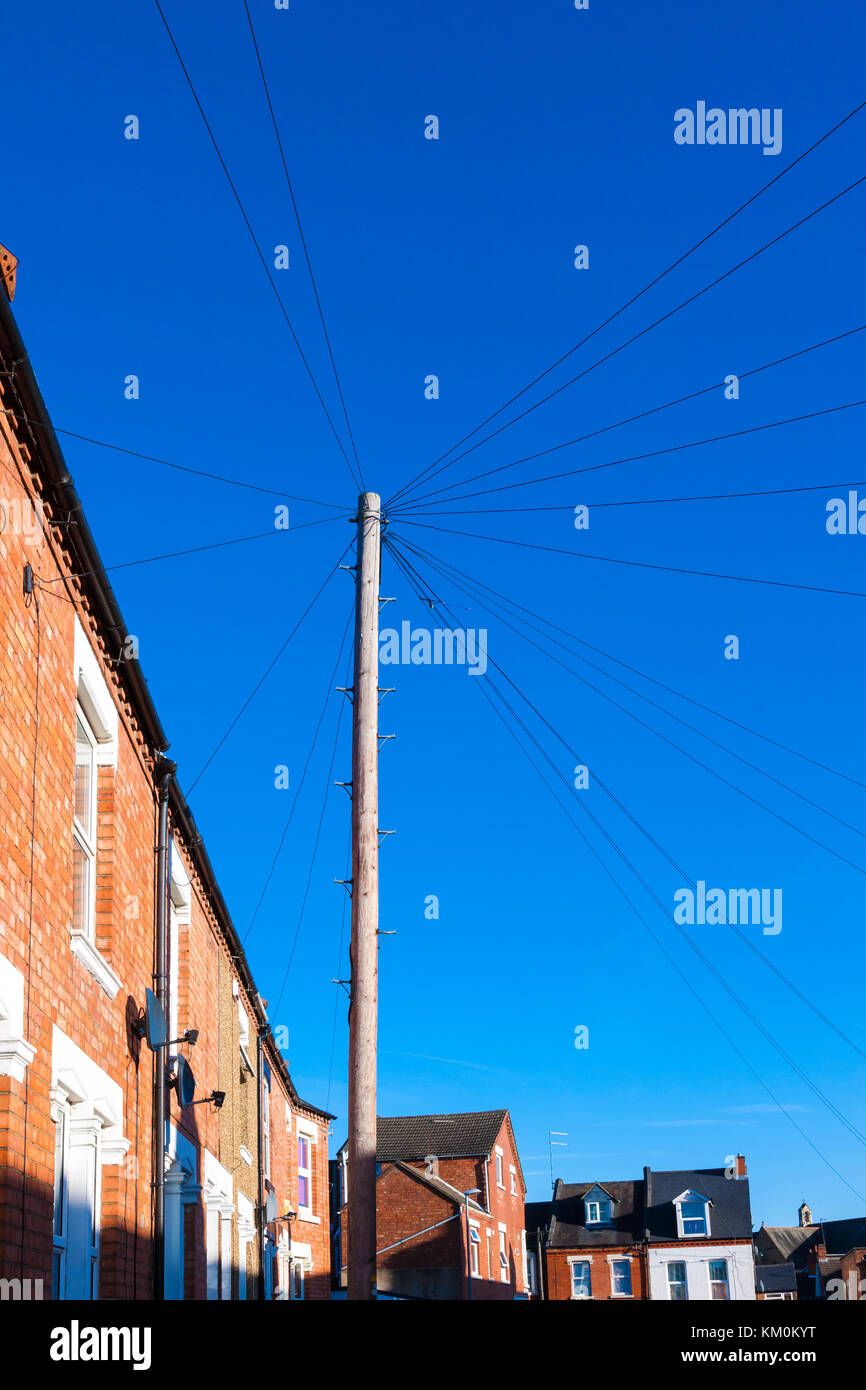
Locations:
694 1219
580 1279
59 1136
83 779
621 1276
80 887
303 1191
719 1279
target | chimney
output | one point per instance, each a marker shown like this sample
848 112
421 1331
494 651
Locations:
739 1166
804 1215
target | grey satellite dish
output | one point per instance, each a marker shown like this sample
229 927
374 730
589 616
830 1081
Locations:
184 1083
270 1208
155 1028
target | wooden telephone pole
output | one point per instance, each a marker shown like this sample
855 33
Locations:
363 1011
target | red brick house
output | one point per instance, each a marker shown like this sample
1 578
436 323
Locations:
449 1210
828 1258
675 1236
92 916
591 1241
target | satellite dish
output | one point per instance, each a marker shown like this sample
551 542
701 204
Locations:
270 1208
155 1027
184 1083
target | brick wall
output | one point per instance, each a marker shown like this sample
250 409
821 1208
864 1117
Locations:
557 1277
94 994
35 927
405 1207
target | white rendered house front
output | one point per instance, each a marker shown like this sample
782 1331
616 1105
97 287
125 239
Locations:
699 1273
709 1271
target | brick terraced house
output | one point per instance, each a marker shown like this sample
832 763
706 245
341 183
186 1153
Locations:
108 1189
449 1207
676 1236
827 1258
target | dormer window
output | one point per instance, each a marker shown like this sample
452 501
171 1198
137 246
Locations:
597 1213
693 1214
598 1207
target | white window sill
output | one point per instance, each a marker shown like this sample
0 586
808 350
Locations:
305 1214
95 964
15 1057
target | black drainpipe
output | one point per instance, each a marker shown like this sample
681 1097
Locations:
165 772
541 1236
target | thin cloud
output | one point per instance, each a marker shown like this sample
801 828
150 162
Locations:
761 1109
668 1124
449 1061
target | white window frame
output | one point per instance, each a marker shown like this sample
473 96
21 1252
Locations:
504 1266
691 1197
180 916
599 1212
675 1283
620 1260
307 1133
513 1173
500 1179
301 1266
474 1249
16 1053
86 840
96 708
726 1281
574 1262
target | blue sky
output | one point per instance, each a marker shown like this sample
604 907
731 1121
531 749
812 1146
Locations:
455 257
